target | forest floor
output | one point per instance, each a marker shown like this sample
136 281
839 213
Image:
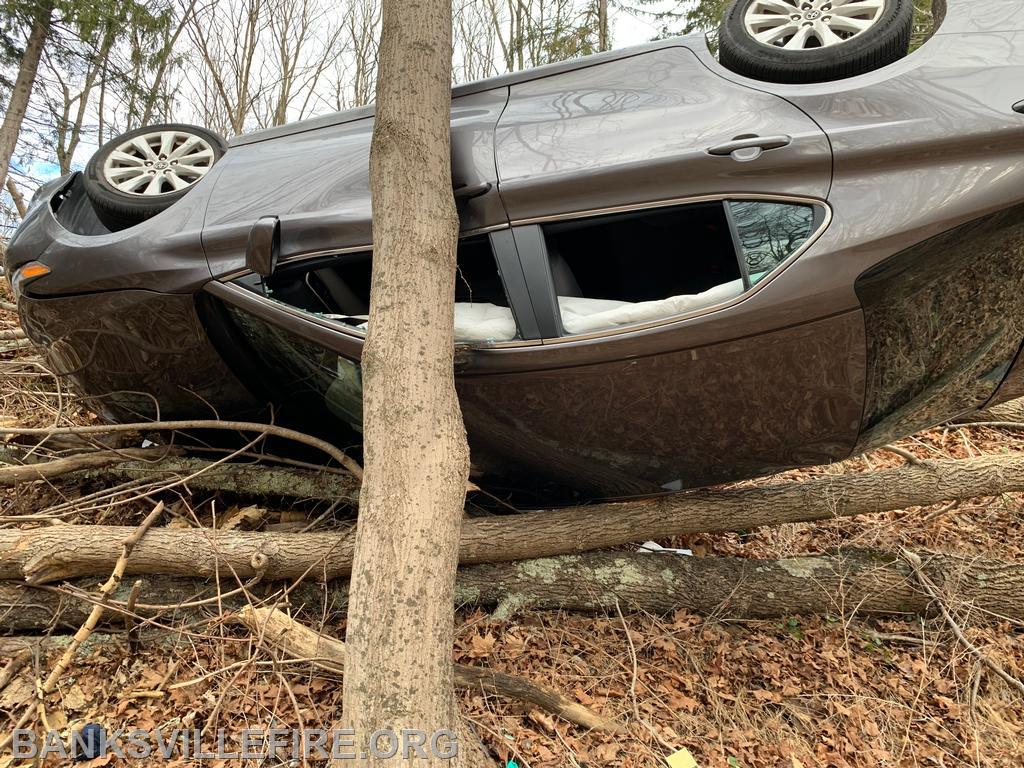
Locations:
807 691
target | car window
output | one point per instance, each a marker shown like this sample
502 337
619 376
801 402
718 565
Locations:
307 377
644 266
769 233
338 288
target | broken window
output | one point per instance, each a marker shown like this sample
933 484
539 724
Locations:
644 266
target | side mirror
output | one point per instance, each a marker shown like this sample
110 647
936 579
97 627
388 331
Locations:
263 246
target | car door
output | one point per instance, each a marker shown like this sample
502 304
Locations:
655 208
313 178
654 126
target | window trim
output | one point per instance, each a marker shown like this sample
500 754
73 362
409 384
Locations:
268 307
822 220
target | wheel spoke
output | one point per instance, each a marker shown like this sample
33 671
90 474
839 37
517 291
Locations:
167 143
176 181
186 146
140 143
153 188
125 158
839 24
203 154
767 19
771 35
191 170
825 34
854 11
126 171
133 184
851 6
799 40
782 7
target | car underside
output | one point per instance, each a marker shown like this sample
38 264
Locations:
670 274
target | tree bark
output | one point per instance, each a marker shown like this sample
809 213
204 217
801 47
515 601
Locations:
1010 411
251 480
16 196
12 474
851 582
18 102
60 552
400 629
165 464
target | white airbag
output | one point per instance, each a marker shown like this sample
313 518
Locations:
588 315
481 321
484 322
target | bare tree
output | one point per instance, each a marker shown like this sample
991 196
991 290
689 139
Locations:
399 672
227 36
68 102
17 105
356 71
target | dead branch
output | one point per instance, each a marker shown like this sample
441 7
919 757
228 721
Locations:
277 629
234 426
93 619
916 566
12 474
260 480
61 552
1012 410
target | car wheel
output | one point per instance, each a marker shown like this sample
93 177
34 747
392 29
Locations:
142 172
810 41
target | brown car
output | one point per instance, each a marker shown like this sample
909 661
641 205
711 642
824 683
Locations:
671 274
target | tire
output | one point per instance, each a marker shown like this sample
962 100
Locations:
834 46
116 176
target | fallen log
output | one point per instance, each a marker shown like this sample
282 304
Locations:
243 479
300 642
165 464
12 473
847 583
1011 411
61 552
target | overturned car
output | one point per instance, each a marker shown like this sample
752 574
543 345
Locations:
671 274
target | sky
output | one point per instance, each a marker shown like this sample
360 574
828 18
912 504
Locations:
627 30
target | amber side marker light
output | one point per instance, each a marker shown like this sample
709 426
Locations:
28 272
32 270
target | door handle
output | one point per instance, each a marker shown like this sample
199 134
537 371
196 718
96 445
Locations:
745 148
468 191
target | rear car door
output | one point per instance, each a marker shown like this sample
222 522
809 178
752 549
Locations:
650 127
655 207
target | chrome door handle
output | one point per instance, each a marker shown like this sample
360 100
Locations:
749 147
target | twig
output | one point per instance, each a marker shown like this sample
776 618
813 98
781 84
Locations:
233 426
106 590
14 666
129 616
20 473
907 455
93 619
914 561
281 631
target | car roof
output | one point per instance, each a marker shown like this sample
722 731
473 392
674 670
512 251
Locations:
466 89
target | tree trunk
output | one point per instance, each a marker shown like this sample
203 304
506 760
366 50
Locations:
850 582
400 629
60 552
16 196
18 104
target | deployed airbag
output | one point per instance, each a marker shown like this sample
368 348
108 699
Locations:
483 322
